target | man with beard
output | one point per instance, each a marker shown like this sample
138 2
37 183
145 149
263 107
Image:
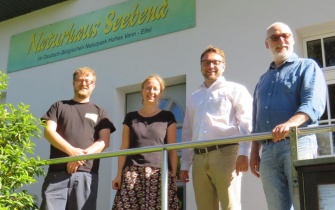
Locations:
291 93
218 109
75 127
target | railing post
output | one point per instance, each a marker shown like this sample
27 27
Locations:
164 180
294 156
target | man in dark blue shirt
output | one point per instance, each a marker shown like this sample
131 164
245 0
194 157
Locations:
291 93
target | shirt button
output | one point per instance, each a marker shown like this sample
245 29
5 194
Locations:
266 107
269 94
267 122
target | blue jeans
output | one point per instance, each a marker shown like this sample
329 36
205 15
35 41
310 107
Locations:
63 191
275 170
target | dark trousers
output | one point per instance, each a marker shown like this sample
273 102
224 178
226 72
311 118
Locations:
62 191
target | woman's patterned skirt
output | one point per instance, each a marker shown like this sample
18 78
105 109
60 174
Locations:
141 189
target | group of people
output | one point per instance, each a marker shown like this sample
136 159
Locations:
290 93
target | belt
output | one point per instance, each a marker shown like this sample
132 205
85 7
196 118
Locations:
266 141
204 150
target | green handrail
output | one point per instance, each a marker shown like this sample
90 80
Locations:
164 148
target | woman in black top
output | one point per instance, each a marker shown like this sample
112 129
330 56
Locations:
138 177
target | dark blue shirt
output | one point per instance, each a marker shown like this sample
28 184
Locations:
298 85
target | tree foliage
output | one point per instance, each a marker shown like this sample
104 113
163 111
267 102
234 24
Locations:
17 169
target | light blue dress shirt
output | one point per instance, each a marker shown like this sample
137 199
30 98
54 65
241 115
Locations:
298 85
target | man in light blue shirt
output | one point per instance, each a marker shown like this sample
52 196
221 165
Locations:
291 93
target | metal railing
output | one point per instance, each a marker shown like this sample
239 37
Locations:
294 133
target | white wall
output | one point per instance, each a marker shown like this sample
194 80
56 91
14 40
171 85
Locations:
238 27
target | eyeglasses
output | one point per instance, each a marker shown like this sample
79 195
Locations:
208 62
87 81
276 37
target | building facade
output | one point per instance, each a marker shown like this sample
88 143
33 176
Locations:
238 27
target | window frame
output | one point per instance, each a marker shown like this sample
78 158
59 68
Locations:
321 37
329 74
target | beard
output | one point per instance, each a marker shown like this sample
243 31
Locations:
211 77
285 52
280 56
82 93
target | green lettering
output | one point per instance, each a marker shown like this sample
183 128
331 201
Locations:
117 23
142 17
42 45
32 43
109 23
125 21
69 35
49 41
58 40
95 29
152 14
80 33
135 15
163 11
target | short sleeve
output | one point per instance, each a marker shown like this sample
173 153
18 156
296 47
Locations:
105 122
171 118
51 114
127 119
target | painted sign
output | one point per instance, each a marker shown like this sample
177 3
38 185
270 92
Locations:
116 25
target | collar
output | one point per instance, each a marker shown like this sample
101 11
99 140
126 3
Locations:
290 59
219 82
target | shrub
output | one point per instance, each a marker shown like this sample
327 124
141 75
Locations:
17 169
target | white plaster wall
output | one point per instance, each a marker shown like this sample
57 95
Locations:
238 27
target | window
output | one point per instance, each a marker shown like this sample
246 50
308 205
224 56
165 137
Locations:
321 48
